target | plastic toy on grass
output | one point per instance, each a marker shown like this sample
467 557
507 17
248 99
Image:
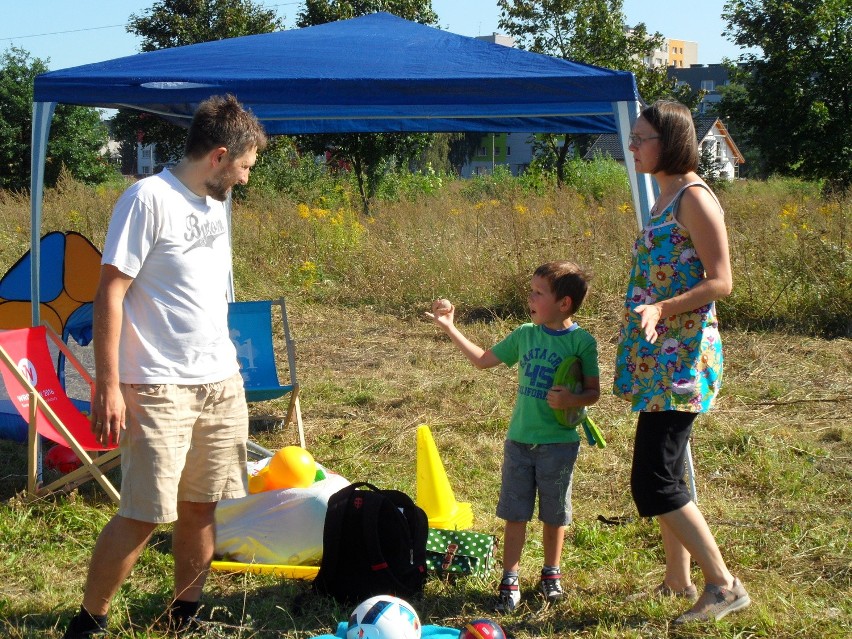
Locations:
482 629
291 467
257 482
61 458
434 494
383 617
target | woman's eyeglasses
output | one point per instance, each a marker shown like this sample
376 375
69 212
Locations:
637 141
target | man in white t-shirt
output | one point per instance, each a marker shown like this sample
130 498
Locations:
167 382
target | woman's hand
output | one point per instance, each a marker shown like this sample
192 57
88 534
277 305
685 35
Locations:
649 315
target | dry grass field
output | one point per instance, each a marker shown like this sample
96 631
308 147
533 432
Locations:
773 461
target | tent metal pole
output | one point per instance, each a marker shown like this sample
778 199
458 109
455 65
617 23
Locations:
642 187
42 116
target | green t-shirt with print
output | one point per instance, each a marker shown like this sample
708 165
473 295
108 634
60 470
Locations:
538 351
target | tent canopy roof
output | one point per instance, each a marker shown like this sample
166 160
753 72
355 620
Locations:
368 74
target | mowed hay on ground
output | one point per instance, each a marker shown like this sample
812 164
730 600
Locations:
773 480
772 461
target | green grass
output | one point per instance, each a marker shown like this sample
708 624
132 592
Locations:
773 460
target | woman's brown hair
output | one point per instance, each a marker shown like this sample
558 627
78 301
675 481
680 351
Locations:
678 141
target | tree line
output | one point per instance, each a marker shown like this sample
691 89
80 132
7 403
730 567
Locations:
790 104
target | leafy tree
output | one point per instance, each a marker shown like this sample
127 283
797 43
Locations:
175 23
463 148
76 138
709 168
435 156
322 11
794 102
369 155
593 32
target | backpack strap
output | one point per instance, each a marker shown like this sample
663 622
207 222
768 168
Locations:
370 525
371 519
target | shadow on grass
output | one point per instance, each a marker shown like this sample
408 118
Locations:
13 476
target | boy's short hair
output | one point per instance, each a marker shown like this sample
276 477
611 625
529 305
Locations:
678 140
566 279
222 121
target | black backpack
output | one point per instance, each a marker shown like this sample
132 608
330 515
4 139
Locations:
374 543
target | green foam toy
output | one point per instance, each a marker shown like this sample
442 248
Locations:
570 375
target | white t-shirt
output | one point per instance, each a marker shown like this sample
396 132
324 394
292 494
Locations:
175 245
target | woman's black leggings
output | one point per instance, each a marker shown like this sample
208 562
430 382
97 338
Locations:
657 476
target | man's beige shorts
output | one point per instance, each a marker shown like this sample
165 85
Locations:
182 443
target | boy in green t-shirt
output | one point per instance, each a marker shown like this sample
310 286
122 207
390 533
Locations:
539 453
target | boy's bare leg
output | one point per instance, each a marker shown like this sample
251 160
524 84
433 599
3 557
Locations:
553 538
514 536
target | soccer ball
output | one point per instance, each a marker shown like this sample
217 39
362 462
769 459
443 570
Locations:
383 617
482 629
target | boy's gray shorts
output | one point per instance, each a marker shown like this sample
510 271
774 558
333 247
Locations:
543 468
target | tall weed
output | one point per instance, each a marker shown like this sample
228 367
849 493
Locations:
476 241
790 251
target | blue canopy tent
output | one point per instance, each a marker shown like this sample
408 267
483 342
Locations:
376 73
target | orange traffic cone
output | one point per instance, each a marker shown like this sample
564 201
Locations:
434 494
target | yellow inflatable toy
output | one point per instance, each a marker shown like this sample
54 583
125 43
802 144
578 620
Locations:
290 467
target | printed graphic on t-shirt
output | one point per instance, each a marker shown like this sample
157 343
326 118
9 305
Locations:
202 234
538 366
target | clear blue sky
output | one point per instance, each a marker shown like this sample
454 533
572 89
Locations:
74 32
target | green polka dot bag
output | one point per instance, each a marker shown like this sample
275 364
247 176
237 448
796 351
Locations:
460 552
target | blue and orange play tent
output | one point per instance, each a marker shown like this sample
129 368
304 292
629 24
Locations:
69 266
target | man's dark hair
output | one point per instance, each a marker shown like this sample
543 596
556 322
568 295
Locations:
222 121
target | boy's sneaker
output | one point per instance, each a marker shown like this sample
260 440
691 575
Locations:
551 585
508 595
716 602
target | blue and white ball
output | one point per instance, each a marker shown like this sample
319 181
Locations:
383 617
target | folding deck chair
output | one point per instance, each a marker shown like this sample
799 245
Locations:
250 325
34 388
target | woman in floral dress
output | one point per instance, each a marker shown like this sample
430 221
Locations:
669 358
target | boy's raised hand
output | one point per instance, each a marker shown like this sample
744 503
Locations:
442 313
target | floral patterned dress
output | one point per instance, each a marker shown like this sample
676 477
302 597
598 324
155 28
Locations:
682 370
